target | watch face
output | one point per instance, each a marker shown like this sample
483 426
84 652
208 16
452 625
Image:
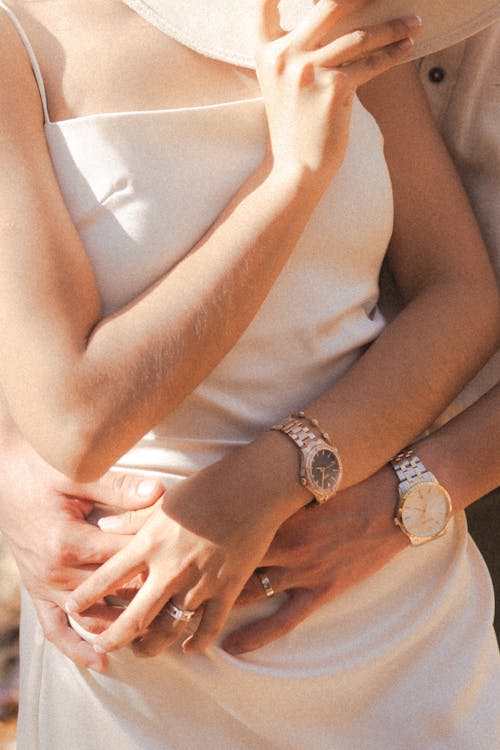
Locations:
325 470
426 509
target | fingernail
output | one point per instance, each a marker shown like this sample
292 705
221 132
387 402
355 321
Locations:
405 44
109 523
71 606
146 487
98 649
412 22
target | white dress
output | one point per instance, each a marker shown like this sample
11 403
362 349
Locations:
406 660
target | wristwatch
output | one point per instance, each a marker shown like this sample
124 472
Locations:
424 506
320 465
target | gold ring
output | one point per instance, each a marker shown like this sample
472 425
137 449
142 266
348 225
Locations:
266 583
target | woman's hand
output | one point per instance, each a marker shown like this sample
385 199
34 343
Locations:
308 86
200 545
320 553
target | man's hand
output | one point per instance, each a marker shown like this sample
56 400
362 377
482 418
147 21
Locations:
321 552
44 518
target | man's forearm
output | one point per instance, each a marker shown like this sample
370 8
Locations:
465 454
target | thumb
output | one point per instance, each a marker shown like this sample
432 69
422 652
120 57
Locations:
123 490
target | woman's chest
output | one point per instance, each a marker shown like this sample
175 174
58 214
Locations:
100 56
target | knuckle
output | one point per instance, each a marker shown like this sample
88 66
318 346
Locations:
128 518
136 627
123 484
372 62
398 28
361 37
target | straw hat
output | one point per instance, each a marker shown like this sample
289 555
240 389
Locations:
225 29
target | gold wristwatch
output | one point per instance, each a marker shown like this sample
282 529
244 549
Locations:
320 465
424 506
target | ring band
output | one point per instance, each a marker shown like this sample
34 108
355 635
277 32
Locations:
266 583
183 615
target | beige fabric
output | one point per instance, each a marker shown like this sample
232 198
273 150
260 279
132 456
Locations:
466 105
225 29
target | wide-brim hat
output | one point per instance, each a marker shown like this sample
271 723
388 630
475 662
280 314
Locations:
226 29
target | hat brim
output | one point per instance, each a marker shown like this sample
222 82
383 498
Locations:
225 29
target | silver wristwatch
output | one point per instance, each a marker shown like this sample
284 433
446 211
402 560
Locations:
424 506
320 468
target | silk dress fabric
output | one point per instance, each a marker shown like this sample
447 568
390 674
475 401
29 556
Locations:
407 659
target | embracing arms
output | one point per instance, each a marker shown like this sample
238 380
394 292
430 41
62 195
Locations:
98 384
317 555
448 328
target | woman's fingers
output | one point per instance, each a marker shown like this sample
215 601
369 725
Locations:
269 28
161 633
361 42
321 19
215 614
116 572
135 619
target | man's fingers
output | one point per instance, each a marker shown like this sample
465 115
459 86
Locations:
121 489
254 588
56 629
257 634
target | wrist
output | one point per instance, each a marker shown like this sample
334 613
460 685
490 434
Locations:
296 180
279 468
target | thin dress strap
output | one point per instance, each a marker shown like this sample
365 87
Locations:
34 62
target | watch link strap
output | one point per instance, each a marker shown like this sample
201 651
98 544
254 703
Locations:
297 431
410 469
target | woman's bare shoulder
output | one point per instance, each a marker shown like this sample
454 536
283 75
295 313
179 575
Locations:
19 97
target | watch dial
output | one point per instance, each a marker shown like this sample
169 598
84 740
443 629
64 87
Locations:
325 469
426 509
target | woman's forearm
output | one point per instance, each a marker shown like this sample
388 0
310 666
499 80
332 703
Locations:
409 375
384 401
99 395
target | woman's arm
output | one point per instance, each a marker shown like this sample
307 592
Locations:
226 514
97 385
317 555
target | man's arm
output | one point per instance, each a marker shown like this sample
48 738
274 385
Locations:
43 517
317 554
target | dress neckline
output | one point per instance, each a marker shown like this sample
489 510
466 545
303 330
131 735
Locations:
150 112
